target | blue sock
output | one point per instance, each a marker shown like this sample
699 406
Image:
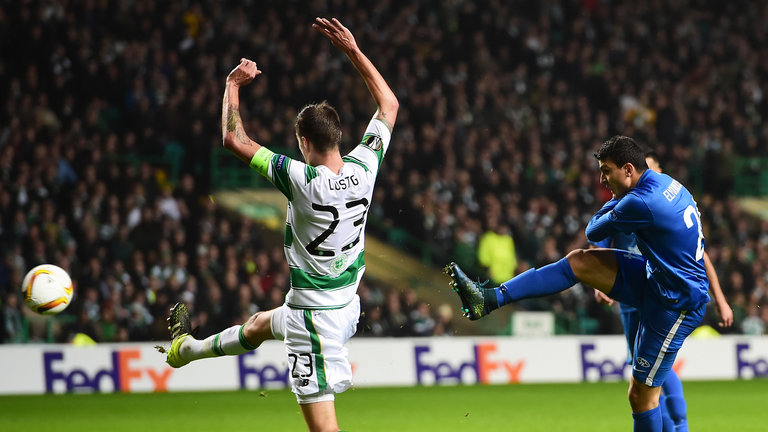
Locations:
666 420
547 280
648 421
676 406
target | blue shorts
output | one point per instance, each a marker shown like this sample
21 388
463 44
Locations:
660 331
630 320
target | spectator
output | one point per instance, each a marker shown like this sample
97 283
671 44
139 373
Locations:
496 101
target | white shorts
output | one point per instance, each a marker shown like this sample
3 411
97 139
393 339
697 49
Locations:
314 341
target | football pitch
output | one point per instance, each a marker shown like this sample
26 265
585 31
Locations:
712 406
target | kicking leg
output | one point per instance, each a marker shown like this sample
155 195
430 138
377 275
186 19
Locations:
596 267
234 340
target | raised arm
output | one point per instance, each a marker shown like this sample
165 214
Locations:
342 38
723 308
233 135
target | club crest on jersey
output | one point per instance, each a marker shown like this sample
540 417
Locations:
373 142
338 264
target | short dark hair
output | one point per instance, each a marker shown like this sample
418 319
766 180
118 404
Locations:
653 155
622 150
320 124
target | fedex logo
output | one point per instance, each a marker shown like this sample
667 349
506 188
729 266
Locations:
757 367
480 369
266 376
604 367
119 374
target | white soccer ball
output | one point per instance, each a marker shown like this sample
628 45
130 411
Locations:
47 289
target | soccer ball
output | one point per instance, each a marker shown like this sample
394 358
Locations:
47 289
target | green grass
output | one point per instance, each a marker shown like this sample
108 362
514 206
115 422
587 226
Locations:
712 406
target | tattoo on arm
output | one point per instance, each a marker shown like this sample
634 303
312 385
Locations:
232 118
383 117
235 124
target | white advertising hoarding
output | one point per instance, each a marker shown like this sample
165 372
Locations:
375 362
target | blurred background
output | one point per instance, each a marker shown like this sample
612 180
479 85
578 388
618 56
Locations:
111 163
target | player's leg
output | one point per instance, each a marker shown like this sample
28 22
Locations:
630 320
629 288
675 401
234 340
318 361
666 421
320 416
660 336
595 267
644 401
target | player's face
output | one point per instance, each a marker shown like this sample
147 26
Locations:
615 178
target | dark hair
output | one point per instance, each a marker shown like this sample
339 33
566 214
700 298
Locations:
320 124
620 150
653 155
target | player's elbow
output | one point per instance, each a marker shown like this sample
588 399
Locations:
229 142
393 104
591 234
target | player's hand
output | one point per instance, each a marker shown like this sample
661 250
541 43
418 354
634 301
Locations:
726 314
603 299
339 35
244 73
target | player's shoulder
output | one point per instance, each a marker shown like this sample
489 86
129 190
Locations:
637 200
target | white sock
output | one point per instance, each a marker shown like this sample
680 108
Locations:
229 342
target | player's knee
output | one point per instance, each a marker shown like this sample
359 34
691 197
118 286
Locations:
255 326
578 259
634 397
641 398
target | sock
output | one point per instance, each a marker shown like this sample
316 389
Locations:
667 424
648 421
676 405
547 280
229 342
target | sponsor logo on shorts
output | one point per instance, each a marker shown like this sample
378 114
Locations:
643 363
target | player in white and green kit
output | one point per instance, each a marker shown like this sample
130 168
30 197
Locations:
328 200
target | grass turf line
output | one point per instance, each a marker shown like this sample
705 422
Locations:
712 406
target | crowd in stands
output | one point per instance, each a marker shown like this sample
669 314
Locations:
502 105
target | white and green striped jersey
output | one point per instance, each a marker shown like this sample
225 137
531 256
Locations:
326 218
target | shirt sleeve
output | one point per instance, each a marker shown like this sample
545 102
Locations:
276 168
604 243
626 215
372 148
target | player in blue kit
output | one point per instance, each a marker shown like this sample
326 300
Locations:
667 283
672 401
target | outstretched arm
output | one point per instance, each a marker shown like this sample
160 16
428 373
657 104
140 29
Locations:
233 135
723 309
342 38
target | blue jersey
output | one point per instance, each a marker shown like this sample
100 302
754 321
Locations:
667 227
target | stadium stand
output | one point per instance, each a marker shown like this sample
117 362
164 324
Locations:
109 145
